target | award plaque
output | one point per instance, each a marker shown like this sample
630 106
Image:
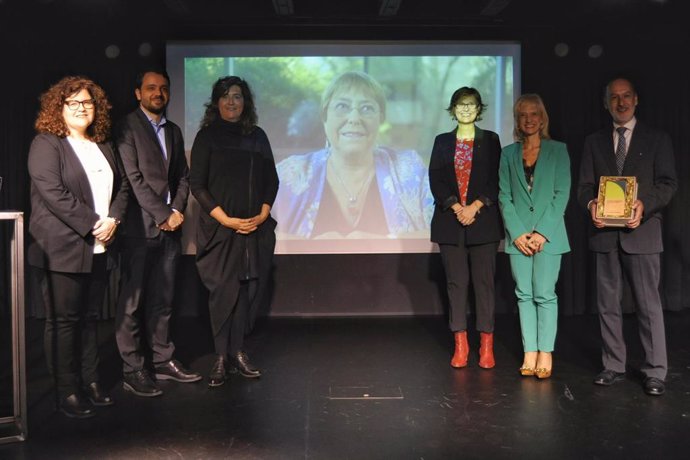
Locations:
616 197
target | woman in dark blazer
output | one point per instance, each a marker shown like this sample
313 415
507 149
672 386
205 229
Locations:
534 182
233 177
463 173
79 194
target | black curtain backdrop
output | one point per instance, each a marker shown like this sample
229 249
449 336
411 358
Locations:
39 47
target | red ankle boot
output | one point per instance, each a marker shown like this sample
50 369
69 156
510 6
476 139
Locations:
486 350
462 349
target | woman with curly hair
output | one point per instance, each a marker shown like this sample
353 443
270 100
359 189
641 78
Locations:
79 193
233 177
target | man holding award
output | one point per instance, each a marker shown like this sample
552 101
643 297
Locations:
631 165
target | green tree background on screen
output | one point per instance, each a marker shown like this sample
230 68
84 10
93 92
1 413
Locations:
288 91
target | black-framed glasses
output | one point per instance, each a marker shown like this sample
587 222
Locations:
468 106
74 105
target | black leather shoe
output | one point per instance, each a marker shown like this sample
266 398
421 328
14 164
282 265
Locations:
218 373
608 377
140 383
77 406
97 395
174 370
654 386
242 365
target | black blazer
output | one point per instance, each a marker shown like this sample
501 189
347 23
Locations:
483 186
62 208
150 175
650 160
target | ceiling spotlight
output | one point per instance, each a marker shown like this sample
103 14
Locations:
112 51
595 51
561 49
145 49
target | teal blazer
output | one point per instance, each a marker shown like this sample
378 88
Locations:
541 210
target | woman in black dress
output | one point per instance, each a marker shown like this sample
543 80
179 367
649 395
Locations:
234 179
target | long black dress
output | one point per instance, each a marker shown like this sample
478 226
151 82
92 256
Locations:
235 171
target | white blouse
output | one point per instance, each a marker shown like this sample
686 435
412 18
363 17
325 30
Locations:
100 178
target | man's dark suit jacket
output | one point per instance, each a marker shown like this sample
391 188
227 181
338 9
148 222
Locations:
650 160
483 186
150 175
62 207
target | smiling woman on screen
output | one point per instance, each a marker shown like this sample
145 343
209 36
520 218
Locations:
353 188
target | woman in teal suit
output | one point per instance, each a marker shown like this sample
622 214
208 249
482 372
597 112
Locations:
534 187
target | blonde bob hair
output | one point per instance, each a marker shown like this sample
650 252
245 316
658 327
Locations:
530 98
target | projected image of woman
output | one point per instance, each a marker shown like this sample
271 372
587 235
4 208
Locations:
79 193
463 173
233 177
534 187
353 188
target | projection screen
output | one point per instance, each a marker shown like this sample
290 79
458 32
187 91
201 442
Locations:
316 112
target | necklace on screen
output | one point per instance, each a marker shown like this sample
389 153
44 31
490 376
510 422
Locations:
352 199
353 207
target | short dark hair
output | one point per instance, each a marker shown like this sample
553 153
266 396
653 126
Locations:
464 92
248 118
159 70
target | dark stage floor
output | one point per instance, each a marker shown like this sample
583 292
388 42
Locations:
310 403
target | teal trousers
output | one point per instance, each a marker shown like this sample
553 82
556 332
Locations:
535 287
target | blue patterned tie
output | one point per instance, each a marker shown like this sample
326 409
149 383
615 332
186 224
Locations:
620 149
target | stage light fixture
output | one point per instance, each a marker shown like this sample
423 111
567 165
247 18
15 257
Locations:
595 51
494 7
561 49
389 7
179 7
145 49
283 7
112 51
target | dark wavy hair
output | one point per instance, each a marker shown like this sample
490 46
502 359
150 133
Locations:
50 119
466 91
248 119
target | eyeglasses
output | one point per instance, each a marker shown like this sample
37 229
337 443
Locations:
342 109
470 106
74 105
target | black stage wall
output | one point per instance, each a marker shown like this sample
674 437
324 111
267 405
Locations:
42 40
